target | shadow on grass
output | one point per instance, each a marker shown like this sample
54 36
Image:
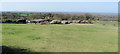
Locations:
11 50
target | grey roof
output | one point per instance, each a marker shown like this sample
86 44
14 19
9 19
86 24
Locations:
38 20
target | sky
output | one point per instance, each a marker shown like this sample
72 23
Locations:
59 0
100 7
97 6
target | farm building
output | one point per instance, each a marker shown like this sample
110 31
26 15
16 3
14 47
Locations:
44 23
65 22
84 22
70 21
37 21
55 22
76 21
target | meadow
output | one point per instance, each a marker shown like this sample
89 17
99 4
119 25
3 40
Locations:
62 38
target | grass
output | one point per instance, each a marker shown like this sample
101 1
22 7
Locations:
62 38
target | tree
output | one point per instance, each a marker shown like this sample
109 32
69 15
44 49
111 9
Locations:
88 16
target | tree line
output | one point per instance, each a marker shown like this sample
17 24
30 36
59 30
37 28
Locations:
16 16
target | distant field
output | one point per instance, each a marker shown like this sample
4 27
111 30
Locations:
62 38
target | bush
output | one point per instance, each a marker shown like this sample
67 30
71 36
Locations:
7 21
21 21
89 21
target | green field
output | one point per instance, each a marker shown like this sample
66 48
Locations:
62 38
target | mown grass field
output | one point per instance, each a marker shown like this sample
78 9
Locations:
62 38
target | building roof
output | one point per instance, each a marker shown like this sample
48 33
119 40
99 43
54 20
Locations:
38 20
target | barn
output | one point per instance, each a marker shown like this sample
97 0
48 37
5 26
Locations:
37 21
